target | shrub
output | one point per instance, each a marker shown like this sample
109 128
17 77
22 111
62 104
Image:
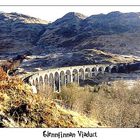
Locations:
114 105
19 107
76 98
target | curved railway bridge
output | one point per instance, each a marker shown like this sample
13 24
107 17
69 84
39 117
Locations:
58 77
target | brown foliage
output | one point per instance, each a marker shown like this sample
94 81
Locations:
19 107
3 75
115 105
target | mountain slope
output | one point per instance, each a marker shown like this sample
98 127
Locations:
19 32
62 29
73 39
93 32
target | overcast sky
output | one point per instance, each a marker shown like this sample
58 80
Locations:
51 13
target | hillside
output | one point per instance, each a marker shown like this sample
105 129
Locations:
73 39
19 33
19 107
107 32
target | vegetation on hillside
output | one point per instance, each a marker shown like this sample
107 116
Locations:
19 107
115 105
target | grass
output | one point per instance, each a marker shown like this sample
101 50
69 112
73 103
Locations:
19 107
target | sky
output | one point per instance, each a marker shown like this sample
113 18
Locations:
51 13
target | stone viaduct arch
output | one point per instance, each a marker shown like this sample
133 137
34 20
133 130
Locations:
58 77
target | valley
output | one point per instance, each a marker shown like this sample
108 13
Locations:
95 60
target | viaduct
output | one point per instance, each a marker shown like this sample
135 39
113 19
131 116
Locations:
58 77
